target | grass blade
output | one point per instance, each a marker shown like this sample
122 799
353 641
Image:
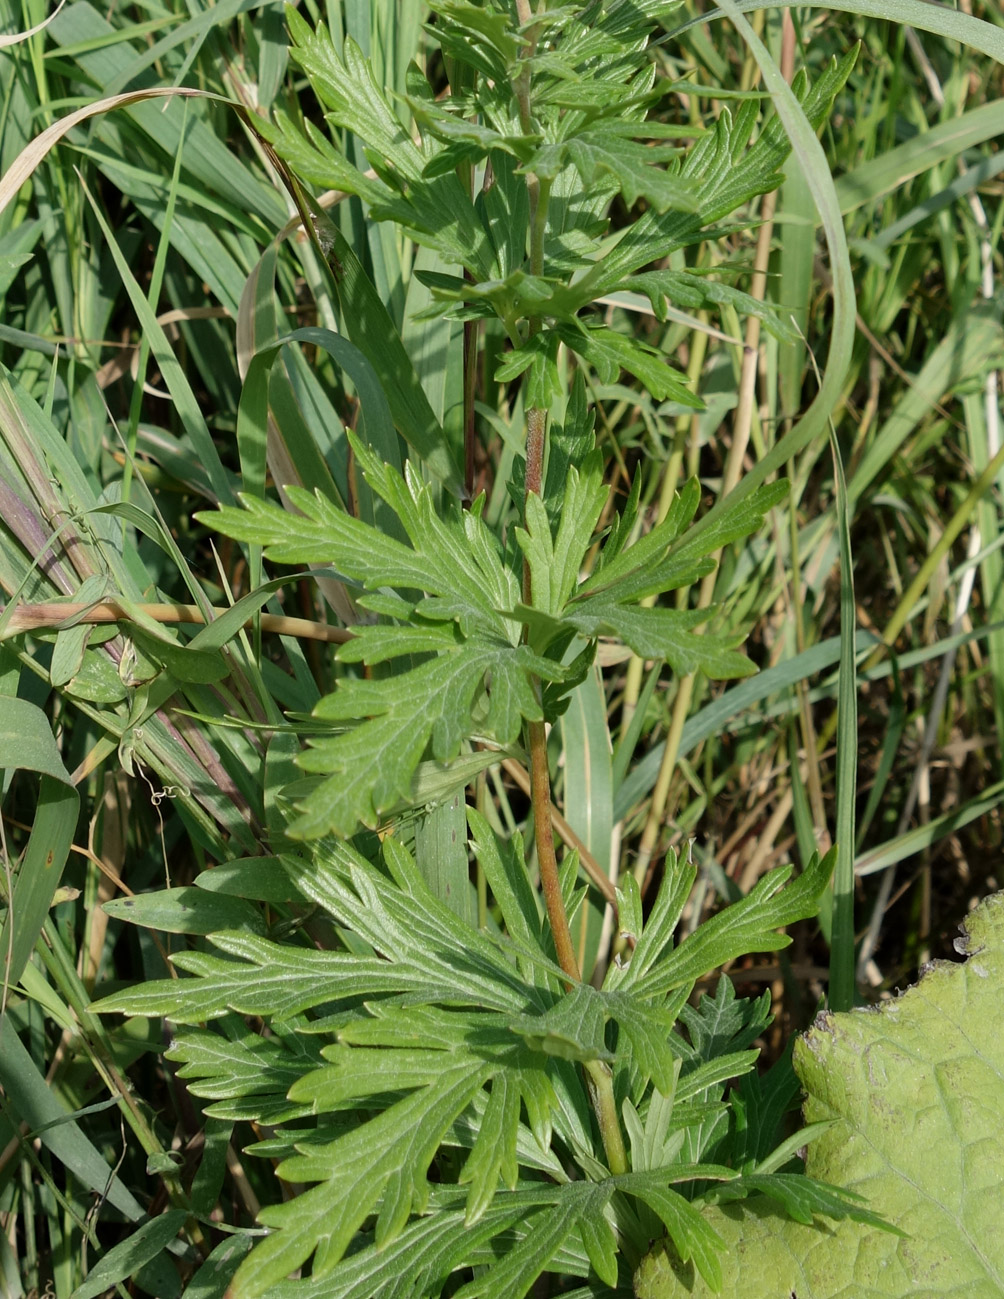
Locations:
35 1104
841 996
810 157
26 742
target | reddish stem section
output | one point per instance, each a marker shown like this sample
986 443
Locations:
540 784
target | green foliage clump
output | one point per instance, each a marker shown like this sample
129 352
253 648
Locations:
496 483
429 1043
449 596
424 1042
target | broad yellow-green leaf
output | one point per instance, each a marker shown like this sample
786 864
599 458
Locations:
914 1091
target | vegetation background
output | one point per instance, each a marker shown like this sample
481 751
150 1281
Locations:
138 256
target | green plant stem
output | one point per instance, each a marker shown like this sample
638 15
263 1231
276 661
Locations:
538 207
598 1076
540 797
601 1088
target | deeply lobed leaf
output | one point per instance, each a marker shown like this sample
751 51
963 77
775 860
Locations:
477 678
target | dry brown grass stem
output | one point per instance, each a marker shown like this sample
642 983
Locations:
38 617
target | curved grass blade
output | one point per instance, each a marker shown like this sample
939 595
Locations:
809 155
26 742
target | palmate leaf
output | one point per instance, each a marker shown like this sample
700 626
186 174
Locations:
433 1108
725 174
803 1198
312 157
615 564
479 680
420 948
607 601
664 633
609 352
580 1207
528 1231
441 1057
247 1077
554 562
637 168
749 925
348 88
481 37
381 1165
572 1029
438 1035
589 95
722 1023
544 1233
373 763
435 1028
454 558
692 291
417 1262
657 968
589 101
464 617
668 557
605 350
262 978
437 210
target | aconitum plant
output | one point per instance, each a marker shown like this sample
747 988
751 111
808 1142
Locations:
461 1106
